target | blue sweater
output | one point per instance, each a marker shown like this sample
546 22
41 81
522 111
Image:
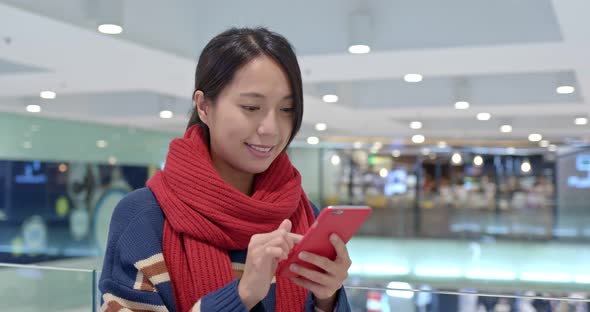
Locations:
135 276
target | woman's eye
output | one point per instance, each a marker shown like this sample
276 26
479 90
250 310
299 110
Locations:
288 109
250 108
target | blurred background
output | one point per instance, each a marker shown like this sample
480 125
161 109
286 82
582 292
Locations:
463 123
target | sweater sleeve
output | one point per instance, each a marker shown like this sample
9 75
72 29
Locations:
225 299
135 276
341 304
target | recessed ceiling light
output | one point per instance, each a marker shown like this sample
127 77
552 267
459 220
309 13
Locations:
415 125
396 153
48 95
581 121
544 143
313 140
478 160
359 49
33 108
321 126
330 98
110 29
565 89
335 160
525 167
552 148
442 144
418 138
413 77
506 128
383 172
456 159
484 116
535 137
166 114
101 143
461 105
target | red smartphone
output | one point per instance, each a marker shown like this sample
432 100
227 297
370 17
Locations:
342 220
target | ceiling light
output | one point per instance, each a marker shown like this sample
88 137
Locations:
413 77
313 140
166 114
359 49
321 126
335 160
33 108
442 144
110 29
415 125
461 105
484 116
552 148
544 143
506 128
581 121
535 137
330 98
418 138
48 95
565 89
525 167
396 153
101 143
383 172
478 160
456 159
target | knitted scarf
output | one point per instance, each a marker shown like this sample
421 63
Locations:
205 217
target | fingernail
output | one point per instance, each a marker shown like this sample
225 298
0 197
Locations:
333 237
303 255
293 267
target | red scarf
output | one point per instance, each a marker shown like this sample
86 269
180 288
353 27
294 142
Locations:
206 217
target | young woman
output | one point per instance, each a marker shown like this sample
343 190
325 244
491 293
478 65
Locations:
209 231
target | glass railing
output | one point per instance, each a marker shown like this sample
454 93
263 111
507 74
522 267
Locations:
401 297
28 288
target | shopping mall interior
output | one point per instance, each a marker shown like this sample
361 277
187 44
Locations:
463 125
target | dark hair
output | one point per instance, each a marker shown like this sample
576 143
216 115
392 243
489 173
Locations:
227 52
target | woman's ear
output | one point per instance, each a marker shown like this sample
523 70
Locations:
202 106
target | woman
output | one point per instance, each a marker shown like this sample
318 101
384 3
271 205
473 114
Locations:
209 231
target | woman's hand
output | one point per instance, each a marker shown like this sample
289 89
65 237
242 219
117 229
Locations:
324 285
264 253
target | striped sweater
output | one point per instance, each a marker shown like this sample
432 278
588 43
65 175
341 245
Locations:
135 277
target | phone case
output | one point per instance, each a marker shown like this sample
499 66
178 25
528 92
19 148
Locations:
342 220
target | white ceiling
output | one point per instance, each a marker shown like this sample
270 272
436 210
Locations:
506 56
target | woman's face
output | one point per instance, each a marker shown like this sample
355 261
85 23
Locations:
252 119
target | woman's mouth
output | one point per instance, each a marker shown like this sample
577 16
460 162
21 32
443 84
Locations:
261 151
